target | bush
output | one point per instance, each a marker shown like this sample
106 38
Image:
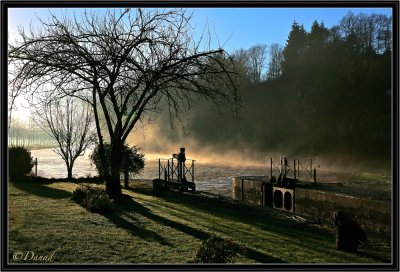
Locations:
94 199
132 159
217 250
20 162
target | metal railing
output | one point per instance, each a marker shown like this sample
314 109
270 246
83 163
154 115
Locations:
294 167
168 169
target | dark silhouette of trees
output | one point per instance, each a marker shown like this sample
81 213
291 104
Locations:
256 61
275 61
333 96
126 64
70 123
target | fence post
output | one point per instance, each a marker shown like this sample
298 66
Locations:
315 175
168 169
159 168
192 171
294 168
172 168
271 168
35 167
298 167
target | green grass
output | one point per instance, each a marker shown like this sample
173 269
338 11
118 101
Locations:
374 177
148 229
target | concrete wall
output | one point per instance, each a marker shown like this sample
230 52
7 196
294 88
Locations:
247 190
373 214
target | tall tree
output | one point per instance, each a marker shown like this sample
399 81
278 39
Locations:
126 64
70 123
256 61
275 61
293 53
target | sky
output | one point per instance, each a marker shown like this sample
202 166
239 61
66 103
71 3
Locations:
234 28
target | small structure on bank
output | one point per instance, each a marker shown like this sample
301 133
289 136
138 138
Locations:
277 190
174 172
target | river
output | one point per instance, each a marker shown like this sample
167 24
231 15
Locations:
217 178
208 177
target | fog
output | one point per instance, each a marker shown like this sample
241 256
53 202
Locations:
214 138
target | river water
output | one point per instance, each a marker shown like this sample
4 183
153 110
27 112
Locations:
216 178
208 177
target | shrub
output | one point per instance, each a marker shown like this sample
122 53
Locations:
94 199
20 162
217 250
132 160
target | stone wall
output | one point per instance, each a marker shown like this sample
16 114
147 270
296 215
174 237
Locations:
372 214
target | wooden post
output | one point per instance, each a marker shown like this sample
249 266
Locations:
159 168
298 168
294 168
271 169
35 167
242 190
192 171
315 176
168 170
172 168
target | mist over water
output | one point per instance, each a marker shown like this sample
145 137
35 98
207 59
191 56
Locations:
51 165
215 173
210 177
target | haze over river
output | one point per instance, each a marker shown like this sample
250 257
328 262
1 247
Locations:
208 177
217 178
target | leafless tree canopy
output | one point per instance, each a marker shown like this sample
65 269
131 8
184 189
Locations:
125 64
70 123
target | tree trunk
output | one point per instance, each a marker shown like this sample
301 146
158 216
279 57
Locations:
113 183
126 170
113 186
69 172
126 177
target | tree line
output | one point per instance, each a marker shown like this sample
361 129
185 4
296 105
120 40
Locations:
28 134
327 91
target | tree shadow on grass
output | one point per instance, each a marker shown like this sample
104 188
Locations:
123 207
42 190
128 205
298 232
260 257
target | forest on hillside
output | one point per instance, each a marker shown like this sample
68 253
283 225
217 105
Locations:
326 92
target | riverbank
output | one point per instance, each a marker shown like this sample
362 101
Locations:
166 229
40 147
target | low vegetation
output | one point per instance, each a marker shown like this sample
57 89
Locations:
217 250
172 228
21 162
92 198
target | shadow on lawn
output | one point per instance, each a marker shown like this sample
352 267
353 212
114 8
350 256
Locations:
129 205
42 190
317 239
123 207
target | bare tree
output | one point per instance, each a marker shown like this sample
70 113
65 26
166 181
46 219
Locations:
69 122
126 64
256 58
275 61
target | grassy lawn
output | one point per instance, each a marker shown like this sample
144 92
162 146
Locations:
148 229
